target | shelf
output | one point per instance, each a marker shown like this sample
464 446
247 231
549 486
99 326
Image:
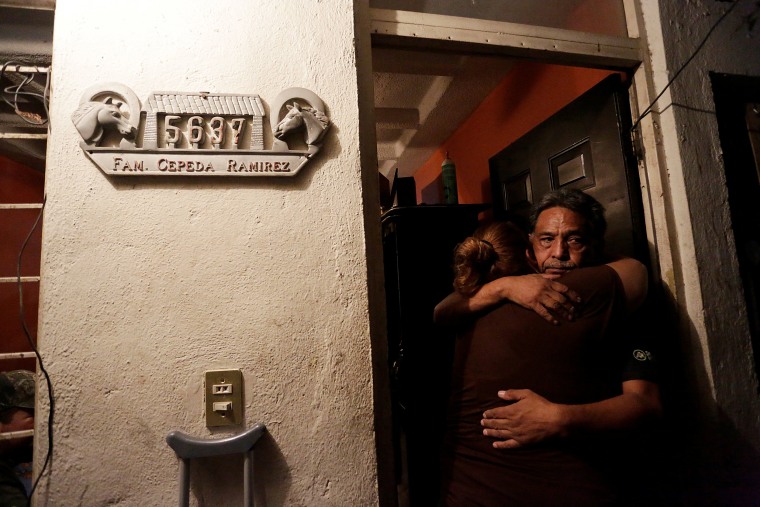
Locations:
14 279
35 205
11 135
434 211
27 69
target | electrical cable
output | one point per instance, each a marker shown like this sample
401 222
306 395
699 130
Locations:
36 352
17 90
687 62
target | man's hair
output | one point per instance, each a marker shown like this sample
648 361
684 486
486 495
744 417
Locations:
579 202
494 250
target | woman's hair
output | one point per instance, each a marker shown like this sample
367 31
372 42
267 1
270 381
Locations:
494 250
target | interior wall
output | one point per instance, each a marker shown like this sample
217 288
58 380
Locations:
600 16
529 94
149 282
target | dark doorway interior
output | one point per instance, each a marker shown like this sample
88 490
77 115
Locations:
737 109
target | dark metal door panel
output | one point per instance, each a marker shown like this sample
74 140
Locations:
585 145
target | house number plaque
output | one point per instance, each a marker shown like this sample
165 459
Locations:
198 134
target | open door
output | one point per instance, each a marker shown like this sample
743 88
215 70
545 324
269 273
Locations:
585 145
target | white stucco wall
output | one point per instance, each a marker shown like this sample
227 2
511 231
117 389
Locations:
147 283
697 186
714 408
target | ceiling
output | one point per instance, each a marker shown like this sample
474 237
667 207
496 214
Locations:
420 97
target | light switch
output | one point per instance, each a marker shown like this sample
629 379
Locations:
222 406
223 390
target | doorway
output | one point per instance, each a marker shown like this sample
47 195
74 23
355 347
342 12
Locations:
404 134
416 474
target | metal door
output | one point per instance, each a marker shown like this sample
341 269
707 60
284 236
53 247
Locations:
585 145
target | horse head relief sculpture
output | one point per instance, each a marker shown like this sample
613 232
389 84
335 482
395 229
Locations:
92 119
198 134
108 113
312 121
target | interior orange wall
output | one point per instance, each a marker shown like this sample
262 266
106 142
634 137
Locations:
529 94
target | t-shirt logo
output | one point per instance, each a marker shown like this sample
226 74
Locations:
642 355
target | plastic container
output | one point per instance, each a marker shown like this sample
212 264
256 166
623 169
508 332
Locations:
449 177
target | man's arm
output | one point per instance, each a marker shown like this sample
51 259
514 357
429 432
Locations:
531 291
532 418
548 298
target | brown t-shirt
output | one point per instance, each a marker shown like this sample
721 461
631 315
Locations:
575 362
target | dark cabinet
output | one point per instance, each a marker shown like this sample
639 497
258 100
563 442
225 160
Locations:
418 244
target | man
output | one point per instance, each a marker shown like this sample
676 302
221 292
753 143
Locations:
579 242
567 232
16 415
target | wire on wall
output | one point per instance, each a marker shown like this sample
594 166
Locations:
685 64
22 317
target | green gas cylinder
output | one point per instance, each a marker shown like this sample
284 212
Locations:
449 177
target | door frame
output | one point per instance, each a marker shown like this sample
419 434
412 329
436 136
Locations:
411 30
403 29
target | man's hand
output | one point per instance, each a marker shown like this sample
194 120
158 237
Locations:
530 419
546 297
533 419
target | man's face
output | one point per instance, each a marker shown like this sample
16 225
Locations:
561 242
